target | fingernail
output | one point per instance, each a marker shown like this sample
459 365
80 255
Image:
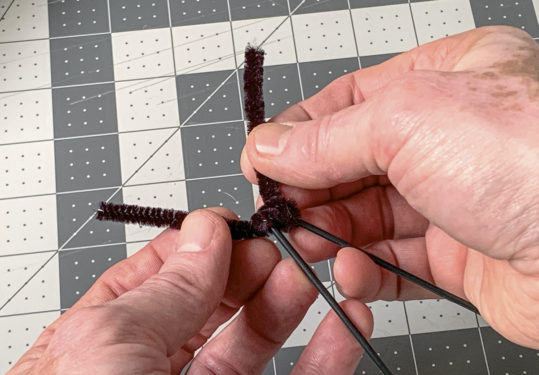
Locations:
196 233
271 139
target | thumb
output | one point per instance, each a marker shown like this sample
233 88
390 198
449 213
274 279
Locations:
315 154
174 304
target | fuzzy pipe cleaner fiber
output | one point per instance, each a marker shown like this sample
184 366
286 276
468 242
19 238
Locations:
277 212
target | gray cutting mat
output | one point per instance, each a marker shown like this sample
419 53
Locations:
140 100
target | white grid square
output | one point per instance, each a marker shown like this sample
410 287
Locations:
28 224
386 29
146 104
199 48
25 20
441 18
41 293
165 165
142 54
26 116
27 170
19 333
167 195
324 37
25 65
435 315
279 47
134 247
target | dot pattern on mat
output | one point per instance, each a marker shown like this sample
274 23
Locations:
87 163
83 59
437 315
313 6
192 12
244 9
385 29
75 209
27 171
450 352
281 88
438 19
24 65
84 110
396 352
375 3
166 163
286 358
233 192
74 17
213 150
25 20
126 15
142 54
389 318
18 333
167 195
79 269
519 14
504 357
146 104
323 38
26 116
41 293
316 75
198 48
30 223
194 89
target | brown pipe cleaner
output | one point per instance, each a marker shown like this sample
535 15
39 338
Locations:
277 212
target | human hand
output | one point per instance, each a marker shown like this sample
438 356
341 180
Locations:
432 159
149 313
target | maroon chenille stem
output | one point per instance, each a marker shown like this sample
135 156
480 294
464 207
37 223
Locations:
277 211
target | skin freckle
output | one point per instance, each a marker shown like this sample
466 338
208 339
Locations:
504 94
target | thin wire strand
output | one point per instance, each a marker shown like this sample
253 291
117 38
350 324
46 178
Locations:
331 301
390 267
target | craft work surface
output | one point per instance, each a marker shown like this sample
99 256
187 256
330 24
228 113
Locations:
140 102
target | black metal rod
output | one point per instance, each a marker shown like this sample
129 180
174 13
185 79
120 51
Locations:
331 300
390 267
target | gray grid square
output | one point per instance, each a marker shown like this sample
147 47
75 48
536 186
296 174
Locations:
281 87
520 14
504 357
316 75
395 351
127 15
87 163
194 89
194 12
83 59
286 358
212 150
79 269
367 61
244 9
73 211
84 110
74 17
450 352
313 6
233 192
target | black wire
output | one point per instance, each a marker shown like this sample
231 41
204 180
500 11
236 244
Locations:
390 267
331 301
